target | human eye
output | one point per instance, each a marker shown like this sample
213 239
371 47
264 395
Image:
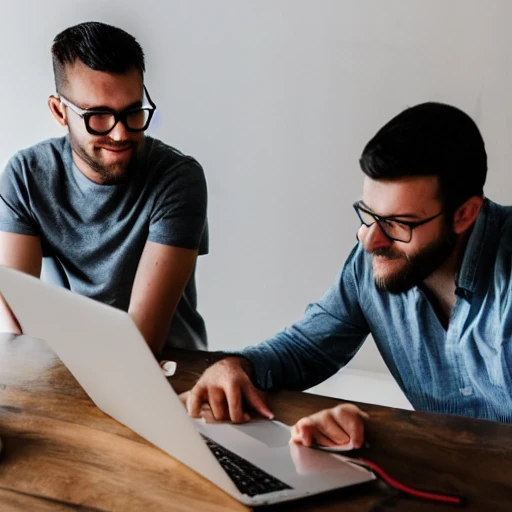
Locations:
137 118
100 121
390 222
396 228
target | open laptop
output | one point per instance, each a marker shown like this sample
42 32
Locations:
104 350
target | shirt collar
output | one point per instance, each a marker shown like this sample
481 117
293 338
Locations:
476 255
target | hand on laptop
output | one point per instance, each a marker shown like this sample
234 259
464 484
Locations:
331 428
225 386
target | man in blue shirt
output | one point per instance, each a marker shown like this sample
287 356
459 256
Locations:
429 279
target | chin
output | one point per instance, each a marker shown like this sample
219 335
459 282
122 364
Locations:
117 170
396 282
114 174
392 280
387 269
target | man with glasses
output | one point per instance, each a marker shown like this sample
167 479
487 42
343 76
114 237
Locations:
429 279
105 210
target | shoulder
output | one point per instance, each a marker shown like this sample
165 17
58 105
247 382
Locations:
164 158
170 173
506 229
497 245
498 227
48 154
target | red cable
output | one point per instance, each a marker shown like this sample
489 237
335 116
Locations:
457 500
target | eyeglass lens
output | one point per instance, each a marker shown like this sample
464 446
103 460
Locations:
393 229
134 119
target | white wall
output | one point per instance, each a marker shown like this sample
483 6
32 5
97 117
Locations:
277 98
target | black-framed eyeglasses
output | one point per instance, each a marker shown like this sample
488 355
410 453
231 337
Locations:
395 230
102 120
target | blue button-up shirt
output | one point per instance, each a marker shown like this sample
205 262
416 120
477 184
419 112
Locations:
465 369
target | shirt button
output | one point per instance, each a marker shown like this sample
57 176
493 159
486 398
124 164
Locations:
467 391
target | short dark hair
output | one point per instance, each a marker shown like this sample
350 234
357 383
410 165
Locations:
430 139
99 46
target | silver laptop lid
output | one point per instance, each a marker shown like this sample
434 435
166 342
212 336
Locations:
105 352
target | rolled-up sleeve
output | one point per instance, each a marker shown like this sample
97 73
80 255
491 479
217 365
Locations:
319 344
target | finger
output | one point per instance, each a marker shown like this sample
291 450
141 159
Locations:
235 406
207 415
356 410
312 435
351 417
331 429
218 405
306 432
195 401
302 434
320 439
256 401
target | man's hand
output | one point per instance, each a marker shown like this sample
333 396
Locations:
224 386
331 427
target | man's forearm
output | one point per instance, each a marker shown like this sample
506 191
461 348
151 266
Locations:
266 361
291 360
8 322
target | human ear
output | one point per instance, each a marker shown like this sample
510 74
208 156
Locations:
466 214
58 110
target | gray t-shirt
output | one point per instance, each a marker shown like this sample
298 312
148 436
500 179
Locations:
93 235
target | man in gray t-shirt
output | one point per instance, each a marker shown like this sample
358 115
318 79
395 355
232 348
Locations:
105 210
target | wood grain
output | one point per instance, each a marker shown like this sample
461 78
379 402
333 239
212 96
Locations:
60 448
62 453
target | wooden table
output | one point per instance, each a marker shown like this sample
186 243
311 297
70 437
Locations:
62 453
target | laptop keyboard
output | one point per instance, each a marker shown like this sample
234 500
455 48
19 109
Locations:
249 479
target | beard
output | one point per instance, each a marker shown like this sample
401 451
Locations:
417 267
110 174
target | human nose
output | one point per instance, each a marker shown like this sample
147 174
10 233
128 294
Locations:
119 132
373 237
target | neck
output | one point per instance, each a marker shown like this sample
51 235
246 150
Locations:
440 286
86 169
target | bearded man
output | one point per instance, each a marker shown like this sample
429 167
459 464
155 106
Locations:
429 279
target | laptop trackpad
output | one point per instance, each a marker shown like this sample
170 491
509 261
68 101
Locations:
271 433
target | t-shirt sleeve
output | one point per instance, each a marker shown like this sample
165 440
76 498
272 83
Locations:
179 212
15 207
